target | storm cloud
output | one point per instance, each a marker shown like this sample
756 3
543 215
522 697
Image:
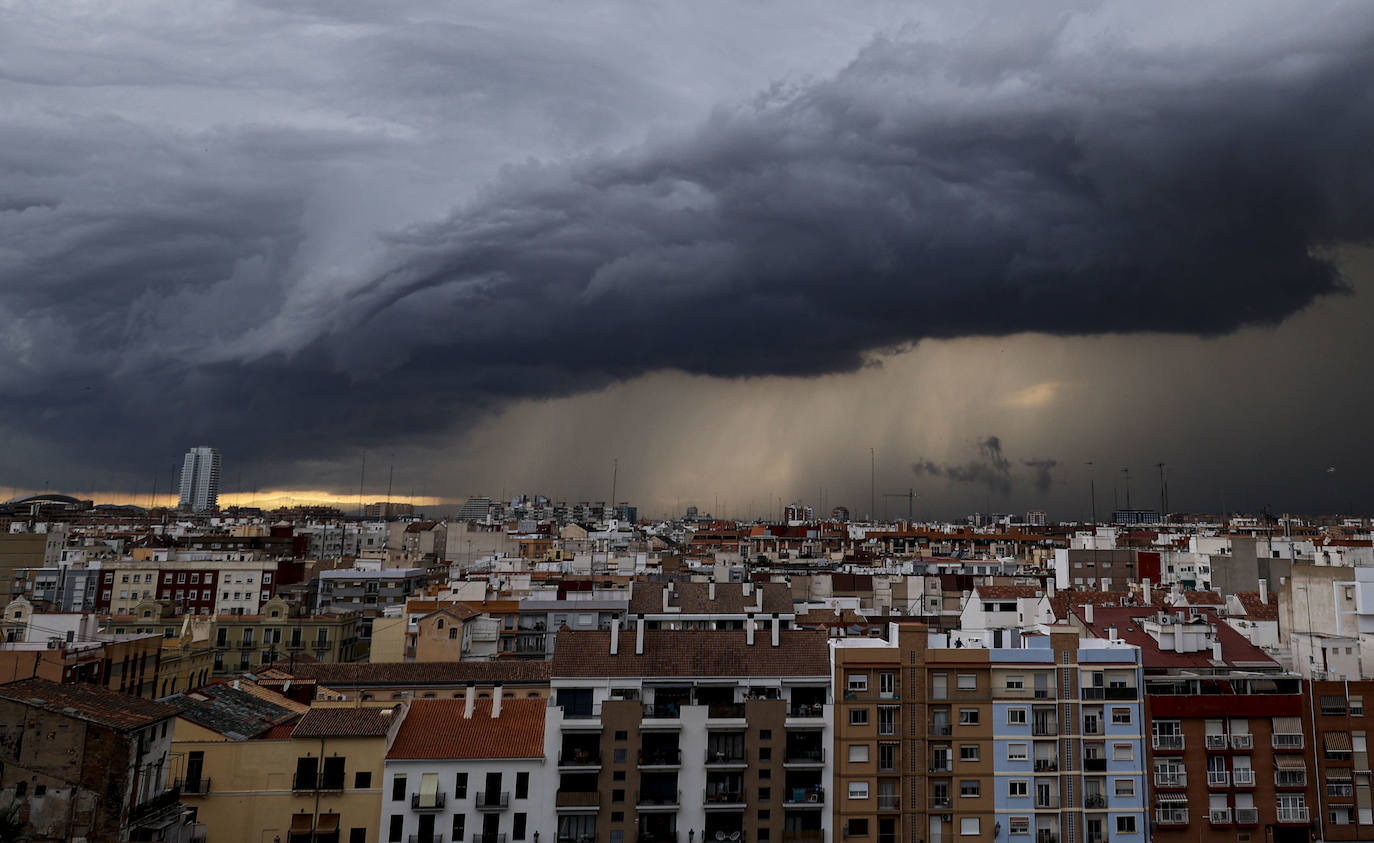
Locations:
990 468
311 277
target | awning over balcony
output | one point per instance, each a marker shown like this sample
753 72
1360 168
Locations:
1338 774
329 823
1289 762
1333 702
302 823
1337 741
1172 800
1288 725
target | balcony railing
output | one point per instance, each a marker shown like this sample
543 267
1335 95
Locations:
660 757
940 803
577 757
1287 741
889 802
805 755
193 787
488 800
1290 778
1294 815
1110 693
1216 741
1340 790
946 766
941 730
1094 765
1095 801
1167 743
427 838
1244 778
1178 779
1243 742
803 835
725 711
1047 765
1171 816
432 802
731 757
1042 728
1247 816
1219 816
724 797
662 711
655 837
164 802
1218 778
577 798
658 798
804 796
806 710
488 838
1045 802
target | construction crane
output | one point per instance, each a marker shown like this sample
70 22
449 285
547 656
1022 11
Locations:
910 495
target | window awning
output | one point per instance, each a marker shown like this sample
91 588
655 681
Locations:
1287 725
329 823
1337 741
1290 762
1333 702
1338 774
302 823
1172 797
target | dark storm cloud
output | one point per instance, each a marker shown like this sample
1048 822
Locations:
990 468
929 189
1043 473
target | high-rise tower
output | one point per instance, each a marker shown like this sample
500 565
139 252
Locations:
200 479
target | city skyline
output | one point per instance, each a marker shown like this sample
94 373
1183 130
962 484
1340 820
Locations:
501 249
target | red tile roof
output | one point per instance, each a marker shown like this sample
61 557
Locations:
692 652
345 723
387 674
437 729
1009 592
1236 650
1255 610
88 702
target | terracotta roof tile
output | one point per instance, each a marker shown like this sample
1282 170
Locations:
1255 610
437 729
345 723
691 652
88 702
1009 592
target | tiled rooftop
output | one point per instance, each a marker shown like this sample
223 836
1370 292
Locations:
437 729
692 653
88 702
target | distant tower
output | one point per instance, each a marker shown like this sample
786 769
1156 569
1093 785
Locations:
200 479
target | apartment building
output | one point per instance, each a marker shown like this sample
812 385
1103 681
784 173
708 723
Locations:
196 582
1227 746
125 664
470 768
940 738
1340 730
246 642
679 735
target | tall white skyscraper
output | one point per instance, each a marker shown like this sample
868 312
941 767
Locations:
200 479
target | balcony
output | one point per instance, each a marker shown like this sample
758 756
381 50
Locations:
153 809
669 715
1244 743
1095 802
809 797
1167 743
1288 741
941 730
193 787
1045 728
1290 778
725 711
656 837
579 758
725 759
806 711
1171 816
1218 778
940 803
1340 790
803 835
1047 765
658 800
1046 835
1244 778
577 799
488 838
1094 765
804 756
1047 802
1247 816
717 800
1110 693
1216 742
945 766
491 801
1294 815
1219 816
427 838
660 758
889 802
433 802
1171 780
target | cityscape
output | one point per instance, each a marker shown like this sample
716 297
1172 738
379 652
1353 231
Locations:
640 421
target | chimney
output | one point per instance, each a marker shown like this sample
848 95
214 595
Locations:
496 694
749 630
777 629
1145 589
746 587
667 592
758 592
639 635
1264 591
711 590
1088 613
615 637
1049 587
1216 651
470 700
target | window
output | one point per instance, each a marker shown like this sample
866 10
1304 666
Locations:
887 757
968 827
858 753
398 789
857 682
858 827
765 794
1123 752
618 775
765 815
618 795
362 779
1018 787
970 787
1016 683
460 786
765 734
1125 787
766 752
858 717
397 825
1125 825
622 735
1121 716
1356 706
1016 717
517 828
459 827
968 717
887 719
968 752
357 835
887 684
195 579
968 682
858 790
1018 751
1020 825
522 786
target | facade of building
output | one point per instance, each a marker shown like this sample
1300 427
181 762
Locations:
200 479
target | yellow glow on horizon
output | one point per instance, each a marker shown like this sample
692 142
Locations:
263 499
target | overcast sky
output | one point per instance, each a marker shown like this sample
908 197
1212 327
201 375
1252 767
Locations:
735 246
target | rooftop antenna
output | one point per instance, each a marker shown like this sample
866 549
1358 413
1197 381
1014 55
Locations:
615 479
910 495
873 483
1163 492
362 478
1126 472
1092 486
